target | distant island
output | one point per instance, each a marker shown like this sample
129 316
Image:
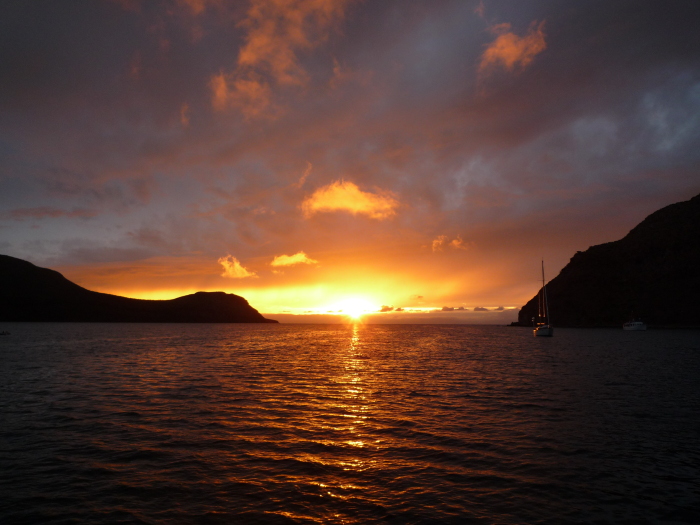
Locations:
653 273
30 293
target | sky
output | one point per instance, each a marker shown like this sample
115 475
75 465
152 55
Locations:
415 159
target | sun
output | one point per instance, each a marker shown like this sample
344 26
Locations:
355 307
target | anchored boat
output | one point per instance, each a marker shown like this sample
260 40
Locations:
544 325
634 325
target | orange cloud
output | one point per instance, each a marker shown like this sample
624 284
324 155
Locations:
442 240
346 196
305 175
438 242
291 260
250 95
509 50
276 31
233 268
458 243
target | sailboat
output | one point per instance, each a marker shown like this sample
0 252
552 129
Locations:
544 327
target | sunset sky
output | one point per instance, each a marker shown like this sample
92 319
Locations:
318 155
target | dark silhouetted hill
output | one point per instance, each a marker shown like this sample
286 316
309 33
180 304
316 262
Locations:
30 293
653 273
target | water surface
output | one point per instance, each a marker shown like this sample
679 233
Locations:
128 423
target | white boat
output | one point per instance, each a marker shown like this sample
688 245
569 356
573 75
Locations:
544 326
634 325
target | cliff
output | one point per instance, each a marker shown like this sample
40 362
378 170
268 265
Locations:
653 273
30 293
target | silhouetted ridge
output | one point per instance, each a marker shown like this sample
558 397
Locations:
30 293
653 273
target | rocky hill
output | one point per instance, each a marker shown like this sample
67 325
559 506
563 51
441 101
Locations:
653 273
30 293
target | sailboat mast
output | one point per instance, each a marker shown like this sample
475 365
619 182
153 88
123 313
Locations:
545 306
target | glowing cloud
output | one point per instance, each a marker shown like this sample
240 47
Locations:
442 240
233 268
509 50
458 244
276 32
439 242
291 260
346 196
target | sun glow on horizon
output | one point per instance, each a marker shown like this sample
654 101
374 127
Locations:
354 307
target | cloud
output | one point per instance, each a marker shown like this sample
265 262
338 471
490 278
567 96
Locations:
481 309
385 308
291 260
346 196
500 309
442 240
185 115
233 268
305 175
399 309
197 6
150 237
44 212
448 309
276 32
438 242
250 95
457 244
509 50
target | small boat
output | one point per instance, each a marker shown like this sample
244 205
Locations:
634 325
544 326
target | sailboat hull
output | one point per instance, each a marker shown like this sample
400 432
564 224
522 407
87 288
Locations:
543 331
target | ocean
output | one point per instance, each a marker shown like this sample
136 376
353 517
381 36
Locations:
347 424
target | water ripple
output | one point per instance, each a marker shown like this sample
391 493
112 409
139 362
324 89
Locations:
347 424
